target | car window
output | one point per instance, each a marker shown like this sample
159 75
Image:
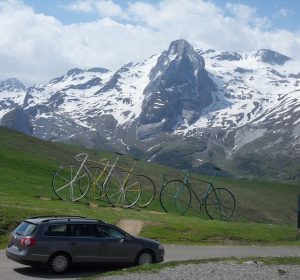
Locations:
86 230
25 229
56 230
108 232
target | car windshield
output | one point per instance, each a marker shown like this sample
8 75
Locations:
25 228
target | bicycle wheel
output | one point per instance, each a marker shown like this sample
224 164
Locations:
96 190
123 189
220 204
148 190
68 186
175 197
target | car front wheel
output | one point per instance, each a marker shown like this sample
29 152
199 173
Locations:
145 258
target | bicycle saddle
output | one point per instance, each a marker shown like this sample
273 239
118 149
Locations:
81 157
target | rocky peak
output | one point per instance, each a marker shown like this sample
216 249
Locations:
75 71
181 49
98 70
178 90
230 56
72 73
271 57
11 84
180 54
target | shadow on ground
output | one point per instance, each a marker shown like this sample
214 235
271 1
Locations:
73 273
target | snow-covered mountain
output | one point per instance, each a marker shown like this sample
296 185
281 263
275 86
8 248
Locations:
186 107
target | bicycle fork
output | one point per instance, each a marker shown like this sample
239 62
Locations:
218 199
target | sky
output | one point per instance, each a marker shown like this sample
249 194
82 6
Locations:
43 39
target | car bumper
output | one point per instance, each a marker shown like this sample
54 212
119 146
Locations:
25 258
159 256
159 259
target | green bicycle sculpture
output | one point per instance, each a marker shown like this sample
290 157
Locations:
176 196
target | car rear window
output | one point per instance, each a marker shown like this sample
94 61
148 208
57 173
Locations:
56 230
25 229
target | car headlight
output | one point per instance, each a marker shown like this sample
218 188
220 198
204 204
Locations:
160 247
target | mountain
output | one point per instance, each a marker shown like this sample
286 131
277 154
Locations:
189 108
179 89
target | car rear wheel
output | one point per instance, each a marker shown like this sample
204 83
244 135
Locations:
59 263
145 258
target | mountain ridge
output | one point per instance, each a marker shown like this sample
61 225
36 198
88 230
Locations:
185 107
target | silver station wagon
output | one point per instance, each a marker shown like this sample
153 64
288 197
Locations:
60 242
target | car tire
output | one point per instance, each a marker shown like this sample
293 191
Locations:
145 257
59 263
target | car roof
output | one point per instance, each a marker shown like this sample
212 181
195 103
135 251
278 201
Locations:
68 219
50 219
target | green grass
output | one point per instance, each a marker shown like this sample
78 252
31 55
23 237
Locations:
266 212
154 268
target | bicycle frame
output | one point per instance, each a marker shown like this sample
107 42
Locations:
209 188
112 167
106 165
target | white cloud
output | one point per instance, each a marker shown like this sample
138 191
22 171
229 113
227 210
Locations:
284 12
247 15
35 47
105 8
241 11
81 6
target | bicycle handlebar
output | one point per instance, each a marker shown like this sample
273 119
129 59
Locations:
185 172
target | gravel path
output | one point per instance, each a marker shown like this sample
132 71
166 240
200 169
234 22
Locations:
218 271
181 252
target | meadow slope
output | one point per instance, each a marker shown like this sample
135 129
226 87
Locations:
266 211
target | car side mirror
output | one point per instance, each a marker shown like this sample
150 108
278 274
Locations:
128 237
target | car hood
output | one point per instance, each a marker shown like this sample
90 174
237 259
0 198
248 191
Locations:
146 240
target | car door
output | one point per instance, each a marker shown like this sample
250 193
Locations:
83 243
115 245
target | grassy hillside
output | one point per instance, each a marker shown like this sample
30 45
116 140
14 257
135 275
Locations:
27 165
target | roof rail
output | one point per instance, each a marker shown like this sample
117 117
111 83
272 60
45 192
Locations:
53 218
50 216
